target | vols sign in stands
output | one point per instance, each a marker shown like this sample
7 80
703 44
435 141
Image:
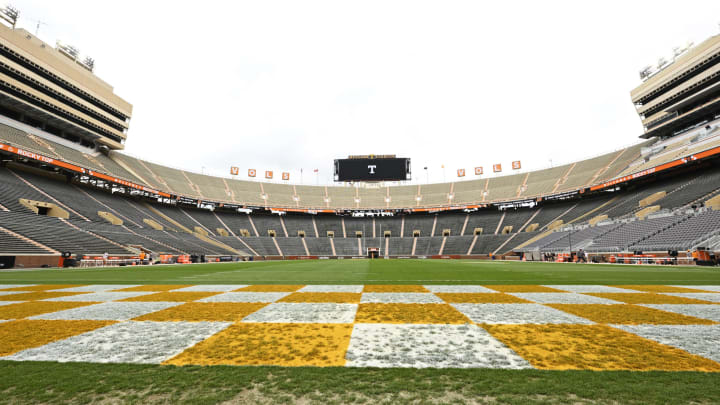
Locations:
234 170
461 172
252 173
497 168
268 174
478 171
516 165
286 176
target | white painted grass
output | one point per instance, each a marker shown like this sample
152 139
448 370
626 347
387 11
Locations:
704 311
711 297
291 312
333 288
97 288
423 346
713 288
126 342
211 288
458 289
517 314
246 297
400 298
703 340
111 311
563 298
10 293
100 296
591 289
10 302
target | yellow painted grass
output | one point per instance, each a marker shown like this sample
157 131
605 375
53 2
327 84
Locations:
521 288
409 313
280 344
628 314
659 288
43 287
32 308
270 288
171 296
153 287
594 347
340 298
481 298
648 298
37 295
394 288
204 311
25 334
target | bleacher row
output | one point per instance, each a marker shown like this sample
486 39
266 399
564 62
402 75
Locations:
186 183
174 230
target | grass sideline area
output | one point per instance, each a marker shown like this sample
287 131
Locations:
379 271
51 382
38 382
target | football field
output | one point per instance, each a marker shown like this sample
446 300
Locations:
362 331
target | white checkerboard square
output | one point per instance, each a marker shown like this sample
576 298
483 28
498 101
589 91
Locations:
97 288
422 346
211 288
703 340
246 297
100 296
7 286
110 311
703 311
563 298
126 342
517 314
591 289
711 297
350 288
287 312
458 289
400 298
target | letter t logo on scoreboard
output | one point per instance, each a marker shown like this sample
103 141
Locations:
371 169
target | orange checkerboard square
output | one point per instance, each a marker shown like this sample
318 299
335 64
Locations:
521 288
594 347
409 313
279 344
32 308
153 287
25 334
480 298
36 296
270 288
43 287
628 314
379 288
339 298
648 298
171 296
204 311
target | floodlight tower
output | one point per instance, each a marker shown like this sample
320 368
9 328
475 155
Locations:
10 14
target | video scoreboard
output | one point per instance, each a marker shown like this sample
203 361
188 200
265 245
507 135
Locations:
372 168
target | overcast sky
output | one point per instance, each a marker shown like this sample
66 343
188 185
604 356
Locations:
285 85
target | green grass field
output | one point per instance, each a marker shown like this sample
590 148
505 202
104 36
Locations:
397 271
42 382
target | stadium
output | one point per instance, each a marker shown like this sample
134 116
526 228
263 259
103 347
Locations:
128 280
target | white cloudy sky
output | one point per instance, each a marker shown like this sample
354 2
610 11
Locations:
284 85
